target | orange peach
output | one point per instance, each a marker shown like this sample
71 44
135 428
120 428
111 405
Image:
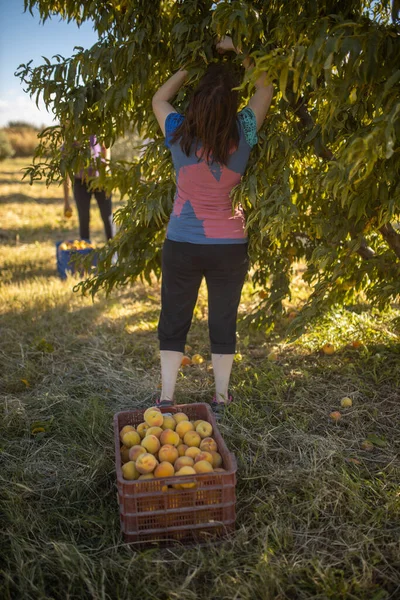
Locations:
153 417
183 461
209 444
187 471
216 459
192 451
135 452
146 463
204 429
151 443
141 429
169 422
204 455
192 438
169 436
195 423
131 438
124 454
203 466
164 469
183 427
180 416
168 453
147 476
130 471
125 430
157 431
182 449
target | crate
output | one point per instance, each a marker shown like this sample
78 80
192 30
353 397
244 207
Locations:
65 259
153 514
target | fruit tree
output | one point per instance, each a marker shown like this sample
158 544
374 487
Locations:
322 185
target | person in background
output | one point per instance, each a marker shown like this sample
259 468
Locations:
210 147
83 194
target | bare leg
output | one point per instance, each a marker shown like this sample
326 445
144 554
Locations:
222 366
170 363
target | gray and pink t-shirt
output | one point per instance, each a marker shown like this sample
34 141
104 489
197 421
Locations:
202 211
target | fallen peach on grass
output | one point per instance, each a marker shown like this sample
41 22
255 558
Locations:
146 463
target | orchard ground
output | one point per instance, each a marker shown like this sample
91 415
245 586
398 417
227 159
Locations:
317 515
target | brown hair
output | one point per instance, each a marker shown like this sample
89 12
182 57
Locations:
211 116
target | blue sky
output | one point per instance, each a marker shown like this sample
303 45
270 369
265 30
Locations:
23 38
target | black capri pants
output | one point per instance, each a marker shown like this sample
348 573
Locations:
82 195
224 267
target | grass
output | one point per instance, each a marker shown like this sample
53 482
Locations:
317 516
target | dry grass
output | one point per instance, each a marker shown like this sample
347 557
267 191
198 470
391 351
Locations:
318 517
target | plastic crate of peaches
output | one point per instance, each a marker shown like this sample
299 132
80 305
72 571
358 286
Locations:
175 475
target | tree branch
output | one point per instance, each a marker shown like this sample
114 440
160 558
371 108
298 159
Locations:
392 238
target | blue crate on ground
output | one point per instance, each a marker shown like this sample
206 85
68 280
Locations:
65 259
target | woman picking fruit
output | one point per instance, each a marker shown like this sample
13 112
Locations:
210 147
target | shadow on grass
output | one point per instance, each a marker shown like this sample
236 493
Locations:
26 199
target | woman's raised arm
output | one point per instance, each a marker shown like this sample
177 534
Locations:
160 102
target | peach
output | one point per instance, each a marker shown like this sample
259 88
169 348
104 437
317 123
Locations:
335 416
135 452
183 427
129 470
124 454
147 476
197 422
125 430
141 429
216 459
164 469
151 443
187 471
204 429
192 438
157 431
203 466
180 416
209 444
153 417
169 422
146 463
192 451
182 449
204 455
168 453
183 461
169 436
131 438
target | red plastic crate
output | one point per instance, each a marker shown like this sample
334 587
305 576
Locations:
150 515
